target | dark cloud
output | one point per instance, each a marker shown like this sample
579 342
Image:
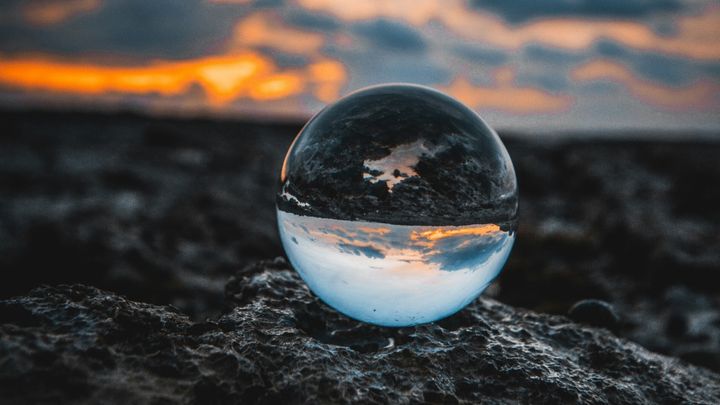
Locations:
357 250
657 67
459 253
267 3
712 69
479 54
158 29
518 11
284 59
546 67
371 65
664 69
545 54
665 27
611 49
550 81
312 21
391 34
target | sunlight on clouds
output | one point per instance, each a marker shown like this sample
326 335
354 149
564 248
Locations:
329 76
224 78
505 96
296 56
238 72
277 86
268 30
697 36
699 95
442 233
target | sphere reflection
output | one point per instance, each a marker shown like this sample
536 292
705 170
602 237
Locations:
397 205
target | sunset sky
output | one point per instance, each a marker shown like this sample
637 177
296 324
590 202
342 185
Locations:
524 64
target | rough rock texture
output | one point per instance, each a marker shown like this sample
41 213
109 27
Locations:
634 223
276 343
162 211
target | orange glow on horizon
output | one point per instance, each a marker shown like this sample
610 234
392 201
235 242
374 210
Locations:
235 74
277 87
223 78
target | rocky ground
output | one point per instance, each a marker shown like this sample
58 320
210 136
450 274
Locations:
275 343
164 212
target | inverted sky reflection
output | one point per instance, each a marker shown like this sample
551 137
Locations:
394 274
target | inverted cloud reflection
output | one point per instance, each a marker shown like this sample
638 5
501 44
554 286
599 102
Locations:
394 274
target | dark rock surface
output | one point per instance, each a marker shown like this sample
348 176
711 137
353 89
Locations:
276 343
163 211
633 223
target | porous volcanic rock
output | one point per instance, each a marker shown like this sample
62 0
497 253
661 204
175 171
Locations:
276 343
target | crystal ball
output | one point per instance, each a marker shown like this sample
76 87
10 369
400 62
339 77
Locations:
397 205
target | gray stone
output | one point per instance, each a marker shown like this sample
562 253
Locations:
277 343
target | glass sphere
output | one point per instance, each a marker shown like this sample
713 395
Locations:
397 205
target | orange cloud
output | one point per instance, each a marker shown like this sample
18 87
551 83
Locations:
379 230
268 30
697 36
224 78
699 94
442 233
329 76
505 96
49 12
277 86
429 238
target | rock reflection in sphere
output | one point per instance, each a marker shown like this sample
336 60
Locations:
397 205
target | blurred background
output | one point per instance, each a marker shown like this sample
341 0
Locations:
542 65
141 141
